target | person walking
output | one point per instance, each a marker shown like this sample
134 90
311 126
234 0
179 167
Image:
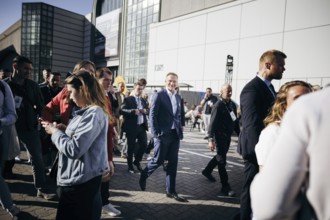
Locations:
7 120
294 180
287 94
166 129
28 104
82 149
256 99
134 111
222 124
207 103
104 77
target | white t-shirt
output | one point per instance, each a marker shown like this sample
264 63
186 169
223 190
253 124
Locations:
266 142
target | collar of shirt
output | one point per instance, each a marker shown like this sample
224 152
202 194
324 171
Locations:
170 93
264 80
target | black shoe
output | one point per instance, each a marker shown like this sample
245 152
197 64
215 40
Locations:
176 197
138 166
142 183
206 138
208 176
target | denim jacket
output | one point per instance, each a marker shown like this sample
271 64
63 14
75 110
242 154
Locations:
82 147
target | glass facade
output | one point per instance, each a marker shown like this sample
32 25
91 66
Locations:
37 36
140 14
105 6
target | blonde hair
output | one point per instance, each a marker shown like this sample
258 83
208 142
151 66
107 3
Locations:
280 105
271 56
91 90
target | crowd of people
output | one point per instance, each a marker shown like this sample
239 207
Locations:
73 131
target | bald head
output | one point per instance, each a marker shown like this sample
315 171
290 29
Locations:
226 91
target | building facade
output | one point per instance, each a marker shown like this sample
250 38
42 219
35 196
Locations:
196 45
51 37
194 38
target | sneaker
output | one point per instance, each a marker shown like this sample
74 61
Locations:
227 191
131 170
18 159
149 158
123 155
45 195
110 210
13 211
145 156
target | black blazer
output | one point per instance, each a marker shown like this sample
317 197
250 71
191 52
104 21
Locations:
130 118
255 102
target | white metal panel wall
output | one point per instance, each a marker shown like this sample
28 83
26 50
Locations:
244 29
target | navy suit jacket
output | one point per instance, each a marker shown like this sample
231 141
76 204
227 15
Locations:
255 102
162 117
130 118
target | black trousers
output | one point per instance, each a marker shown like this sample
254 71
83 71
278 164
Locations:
251 169
220 160
141 136
105 193
80 202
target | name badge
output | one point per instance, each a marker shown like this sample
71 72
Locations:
232 115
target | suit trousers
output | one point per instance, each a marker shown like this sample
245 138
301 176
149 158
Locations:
166 148
251 169
82 201
140 135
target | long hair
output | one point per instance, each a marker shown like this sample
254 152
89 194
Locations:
91 90
280 105
82 63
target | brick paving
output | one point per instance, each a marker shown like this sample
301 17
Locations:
205 200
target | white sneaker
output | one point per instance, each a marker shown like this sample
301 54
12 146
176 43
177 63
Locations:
17 158
149 158
110 210
145 156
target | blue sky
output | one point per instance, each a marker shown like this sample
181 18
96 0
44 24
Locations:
11 10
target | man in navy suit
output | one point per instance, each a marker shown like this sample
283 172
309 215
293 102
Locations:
166 129
134 110
257 97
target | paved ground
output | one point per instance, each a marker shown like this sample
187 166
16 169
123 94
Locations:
205 200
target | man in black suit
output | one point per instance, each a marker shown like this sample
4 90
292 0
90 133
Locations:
166 129
134 110
256 99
